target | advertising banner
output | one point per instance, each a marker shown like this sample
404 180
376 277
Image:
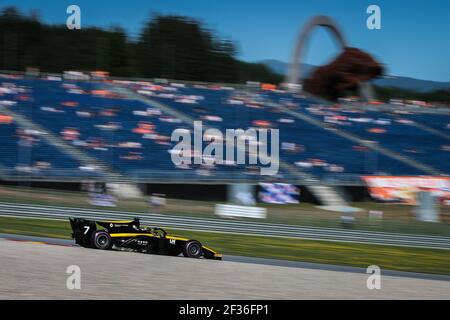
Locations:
405 189
102 200
279 193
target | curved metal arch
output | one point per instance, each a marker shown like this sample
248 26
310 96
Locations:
294 72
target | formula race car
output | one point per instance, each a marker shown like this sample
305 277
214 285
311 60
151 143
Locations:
131 236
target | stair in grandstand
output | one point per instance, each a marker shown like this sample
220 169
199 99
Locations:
59 143
366 91
331 200
428 129
352 137
326 195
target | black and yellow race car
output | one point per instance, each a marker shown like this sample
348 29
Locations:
106 235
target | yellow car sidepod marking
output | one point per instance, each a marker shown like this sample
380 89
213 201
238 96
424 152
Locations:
176 238
126 235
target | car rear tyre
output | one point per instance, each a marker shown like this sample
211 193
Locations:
101 240
192 249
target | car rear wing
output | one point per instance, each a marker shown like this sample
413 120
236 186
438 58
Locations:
82 230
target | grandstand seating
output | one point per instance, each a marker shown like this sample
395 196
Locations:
393 131
134 139
33 157
318 145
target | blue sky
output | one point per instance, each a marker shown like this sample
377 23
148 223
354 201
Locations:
413 40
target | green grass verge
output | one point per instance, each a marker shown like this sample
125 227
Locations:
359 255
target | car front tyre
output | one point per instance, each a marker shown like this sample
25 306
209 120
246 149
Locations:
192 249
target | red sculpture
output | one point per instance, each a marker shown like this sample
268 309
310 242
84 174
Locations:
344 74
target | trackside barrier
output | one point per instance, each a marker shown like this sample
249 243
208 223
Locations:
227 210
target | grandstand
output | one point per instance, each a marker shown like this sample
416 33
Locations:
64 130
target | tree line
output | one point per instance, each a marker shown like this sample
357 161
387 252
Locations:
168 46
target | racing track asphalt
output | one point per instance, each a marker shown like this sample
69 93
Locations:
35 268
254 260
